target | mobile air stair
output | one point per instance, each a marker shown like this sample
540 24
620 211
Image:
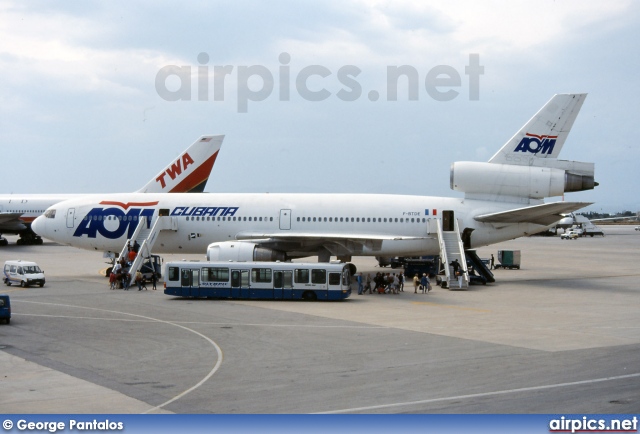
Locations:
452 248
146 237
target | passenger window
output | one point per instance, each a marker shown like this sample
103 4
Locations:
261 275
302 276
334 278
215 274
319 276
174 274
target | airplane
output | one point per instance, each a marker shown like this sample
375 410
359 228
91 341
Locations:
188 173
503 199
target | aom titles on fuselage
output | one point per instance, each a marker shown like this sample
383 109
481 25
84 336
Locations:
503 199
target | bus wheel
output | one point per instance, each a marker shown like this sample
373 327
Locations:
309 296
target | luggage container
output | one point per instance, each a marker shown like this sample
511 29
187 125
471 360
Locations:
508 259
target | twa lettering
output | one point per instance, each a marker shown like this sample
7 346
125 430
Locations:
175 169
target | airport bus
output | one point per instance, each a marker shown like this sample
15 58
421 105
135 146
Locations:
259 280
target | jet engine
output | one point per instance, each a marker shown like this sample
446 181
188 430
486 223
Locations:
534 182
242 251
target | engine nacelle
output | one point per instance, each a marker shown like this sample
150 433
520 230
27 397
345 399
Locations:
242 251
519 181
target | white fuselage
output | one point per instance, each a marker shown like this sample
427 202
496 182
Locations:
31 205
386 225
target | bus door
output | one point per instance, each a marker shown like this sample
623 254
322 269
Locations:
244 283
335 284
287 285
278 284
239 283
190 281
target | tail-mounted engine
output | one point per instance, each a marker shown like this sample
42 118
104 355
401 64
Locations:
534 182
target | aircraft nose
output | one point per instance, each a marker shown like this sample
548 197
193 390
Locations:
39 226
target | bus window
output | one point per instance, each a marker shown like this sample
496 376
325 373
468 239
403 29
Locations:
173 273
302 276
211 274
261 275
319 276
334 278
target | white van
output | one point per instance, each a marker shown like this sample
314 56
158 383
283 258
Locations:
22 273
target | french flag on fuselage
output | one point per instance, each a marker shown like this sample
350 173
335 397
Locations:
431 212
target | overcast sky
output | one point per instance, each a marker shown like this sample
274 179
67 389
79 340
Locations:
80 110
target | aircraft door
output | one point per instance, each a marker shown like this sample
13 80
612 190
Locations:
71 212
447 221
285 219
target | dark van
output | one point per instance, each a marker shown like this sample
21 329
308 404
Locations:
5 308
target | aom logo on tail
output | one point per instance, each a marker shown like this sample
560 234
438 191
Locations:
112 223
175 169
536 144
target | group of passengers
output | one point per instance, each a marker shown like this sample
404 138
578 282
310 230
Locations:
381 283
121 278
390 283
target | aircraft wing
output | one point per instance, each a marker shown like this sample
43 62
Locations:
10 221
301 236
543 214
299 244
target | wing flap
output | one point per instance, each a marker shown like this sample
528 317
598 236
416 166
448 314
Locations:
310 236
544 214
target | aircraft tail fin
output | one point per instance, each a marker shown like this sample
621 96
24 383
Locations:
545 133
190 171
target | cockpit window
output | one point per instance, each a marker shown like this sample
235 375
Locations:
50 213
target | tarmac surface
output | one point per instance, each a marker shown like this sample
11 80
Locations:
560 335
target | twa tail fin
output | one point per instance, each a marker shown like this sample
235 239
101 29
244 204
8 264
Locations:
190 171
545 133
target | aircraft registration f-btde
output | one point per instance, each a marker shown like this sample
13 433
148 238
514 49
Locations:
188 173
503 199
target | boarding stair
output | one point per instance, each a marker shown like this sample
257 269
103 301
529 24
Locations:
452 248
479 266
146 238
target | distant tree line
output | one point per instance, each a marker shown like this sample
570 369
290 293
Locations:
603 215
